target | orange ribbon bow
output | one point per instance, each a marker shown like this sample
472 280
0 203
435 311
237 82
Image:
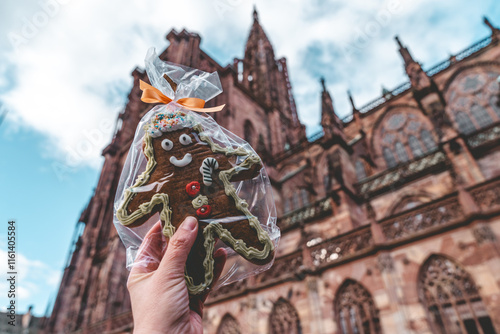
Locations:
151 94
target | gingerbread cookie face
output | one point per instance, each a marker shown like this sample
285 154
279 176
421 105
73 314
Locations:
187 174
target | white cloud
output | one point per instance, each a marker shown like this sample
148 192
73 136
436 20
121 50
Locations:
74 71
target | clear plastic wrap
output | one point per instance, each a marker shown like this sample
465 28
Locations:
182 163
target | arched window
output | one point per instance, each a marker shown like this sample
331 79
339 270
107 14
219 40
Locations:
284 319
286 206
428 140
401 152
495 104
404 135
451 298
327 182
481 116
355 309
389 157
360 170
464 122
228 325
305 197
296 201
249 132
415 146
472 98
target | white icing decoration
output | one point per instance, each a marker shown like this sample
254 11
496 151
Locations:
207 168
184 139
155 133
167 144
186 160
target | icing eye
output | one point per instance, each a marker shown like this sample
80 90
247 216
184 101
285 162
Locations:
185 139
167 144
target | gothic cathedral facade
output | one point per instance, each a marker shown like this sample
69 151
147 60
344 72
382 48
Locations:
390 218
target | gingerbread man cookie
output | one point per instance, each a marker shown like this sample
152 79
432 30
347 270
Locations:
188 174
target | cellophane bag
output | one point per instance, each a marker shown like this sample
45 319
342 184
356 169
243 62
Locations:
182 163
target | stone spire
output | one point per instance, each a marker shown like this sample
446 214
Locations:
405 53
418 78
355 111
259 63
495 32
331 123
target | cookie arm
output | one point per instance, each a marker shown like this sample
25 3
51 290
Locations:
248 169
140 202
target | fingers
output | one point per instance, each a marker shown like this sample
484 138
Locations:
173 262
149 255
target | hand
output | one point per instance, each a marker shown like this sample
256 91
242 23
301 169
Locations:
158 291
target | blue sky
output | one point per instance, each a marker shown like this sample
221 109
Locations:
65 73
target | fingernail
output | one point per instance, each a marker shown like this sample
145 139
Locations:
189 224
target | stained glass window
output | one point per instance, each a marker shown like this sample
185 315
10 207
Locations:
451 298
401 152
415 146
481 116
472 82
428 140
305 197
405 128
286 205
389 157
472 99
360 170
355 309
465 124
395 121
495 104
284 319
296 201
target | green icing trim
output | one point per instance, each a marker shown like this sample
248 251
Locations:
213 228
199 201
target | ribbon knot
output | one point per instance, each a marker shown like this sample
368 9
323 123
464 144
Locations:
151 94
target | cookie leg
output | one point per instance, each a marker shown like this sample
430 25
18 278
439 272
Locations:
199 271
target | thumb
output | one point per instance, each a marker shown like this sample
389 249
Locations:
174 260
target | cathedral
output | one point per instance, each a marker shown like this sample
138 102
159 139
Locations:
390 218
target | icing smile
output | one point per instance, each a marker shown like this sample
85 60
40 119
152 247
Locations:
183 162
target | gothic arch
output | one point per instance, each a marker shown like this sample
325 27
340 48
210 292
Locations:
228 325
451 298
402 133
249 133
472 96
360 167
284 318
355 309
461 69
407 201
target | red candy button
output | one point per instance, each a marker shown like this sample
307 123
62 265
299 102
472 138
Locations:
204 211
193 188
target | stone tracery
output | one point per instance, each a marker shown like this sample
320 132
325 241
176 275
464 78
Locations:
403 135
284 319
451 298
472 98
355 309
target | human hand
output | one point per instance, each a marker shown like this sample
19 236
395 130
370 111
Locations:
158 291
